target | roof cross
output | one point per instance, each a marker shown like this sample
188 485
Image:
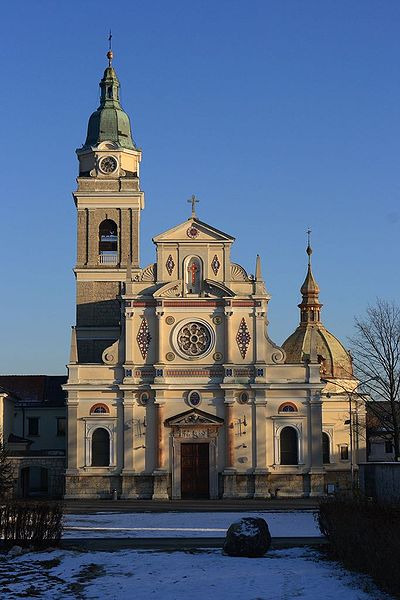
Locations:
309 249
110 52
193 201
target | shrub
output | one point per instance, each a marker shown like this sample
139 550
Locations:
364 536
37 524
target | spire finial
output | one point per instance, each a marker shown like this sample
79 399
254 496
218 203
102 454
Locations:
309 249
193 201
258 268
110 52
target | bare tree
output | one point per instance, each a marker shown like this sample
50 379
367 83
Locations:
376 354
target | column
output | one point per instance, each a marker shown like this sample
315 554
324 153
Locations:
160 475
72 439
259 343
160 452
229 473
129 434
160 336
228 335
128 472
260 445
129 335
315 446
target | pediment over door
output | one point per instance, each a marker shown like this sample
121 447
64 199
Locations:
194 418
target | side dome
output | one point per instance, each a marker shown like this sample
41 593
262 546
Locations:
312 339
334 359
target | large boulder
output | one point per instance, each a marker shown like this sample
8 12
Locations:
247 537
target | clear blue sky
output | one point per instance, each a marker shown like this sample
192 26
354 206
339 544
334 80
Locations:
278 115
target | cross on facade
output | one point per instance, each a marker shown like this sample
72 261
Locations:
193 268
193 201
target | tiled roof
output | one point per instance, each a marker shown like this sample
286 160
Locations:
42 389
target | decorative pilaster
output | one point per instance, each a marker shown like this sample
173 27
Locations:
160 336
228 337
160 476
259 431
315 446
229 473
129 435
72 445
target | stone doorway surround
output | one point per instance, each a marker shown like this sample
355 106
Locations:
194 426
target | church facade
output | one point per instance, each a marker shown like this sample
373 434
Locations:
175 389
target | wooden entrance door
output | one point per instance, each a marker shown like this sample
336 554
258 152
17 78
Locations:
195 471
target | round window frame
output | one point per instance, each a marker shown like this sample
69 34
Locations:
182 324
189 401
243 401
144 398
108 172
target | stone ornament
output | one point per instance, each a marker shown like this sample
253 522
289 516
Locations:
215 265
170 265
170 320
194 339
243 338
217 356
192 232
217 320
170 356
143 338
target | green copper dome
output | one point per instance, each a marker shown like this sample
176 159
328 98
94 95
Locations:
109 121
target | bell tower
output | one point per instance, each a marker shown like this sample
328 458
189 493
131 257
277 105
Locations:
108 201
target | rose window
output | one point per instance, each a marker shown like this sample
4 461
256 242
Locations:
194 339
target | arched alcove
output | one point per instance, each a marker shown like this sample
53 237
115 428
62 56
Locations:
289 446
100 448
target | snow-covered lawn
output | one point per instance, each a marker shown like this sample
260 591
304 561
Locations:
194 524
143 575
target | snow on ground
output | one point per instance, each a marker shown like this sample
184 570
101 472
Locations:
281 575
193 524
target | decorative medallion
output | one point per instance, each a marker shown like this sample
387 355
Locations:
217 320
170 264
143 338
194 339
215 265
170 356
170 320
194 398
144 398
192 232
217 356
243 338
243 398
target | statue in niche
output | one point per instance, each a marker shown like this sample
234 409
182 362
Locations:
193 276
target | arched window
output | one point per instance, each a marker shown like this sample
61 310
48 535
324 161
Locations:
99 409
326 453
288 407
288 441
100 448
193 275
108 242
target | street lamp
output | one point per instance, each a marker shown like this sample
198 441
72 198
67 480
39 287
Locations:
349 421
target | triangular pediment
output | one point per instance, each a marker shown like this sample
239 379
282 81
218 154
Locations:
193 231
192 418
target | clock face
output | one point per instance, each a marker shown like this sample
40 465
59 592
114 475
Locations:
108 164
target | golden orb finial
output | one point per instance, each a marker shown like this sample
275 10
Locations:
110 52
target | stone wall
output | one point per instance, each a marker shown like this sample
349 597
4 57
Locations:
55 472
380 481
